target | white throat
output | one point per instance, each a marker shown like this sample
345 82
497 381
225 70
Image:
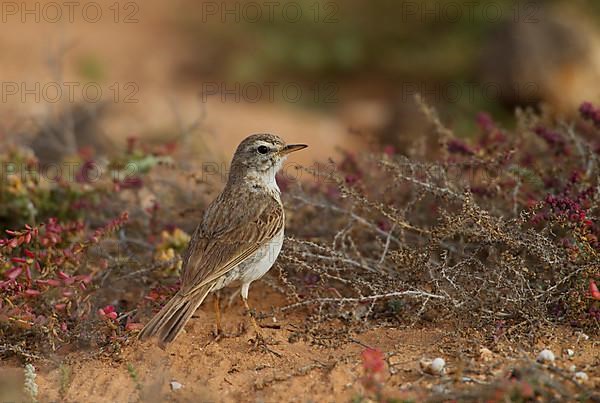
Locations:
266 179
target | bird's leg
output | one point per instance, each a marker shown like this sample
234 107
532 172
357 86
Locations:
259 341
217 302
254 324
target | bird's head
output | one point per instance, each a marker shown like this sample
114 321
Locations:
261 155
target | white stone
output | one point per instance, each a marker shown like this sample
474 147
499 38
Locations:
176 385
581 376
435 367
545 356
438 365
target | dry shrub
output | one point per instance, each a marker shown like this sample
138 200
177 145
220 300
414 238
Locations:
80 250
500 231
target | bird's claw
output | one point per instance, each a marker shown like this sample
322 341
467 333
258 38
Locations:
218 334
260 343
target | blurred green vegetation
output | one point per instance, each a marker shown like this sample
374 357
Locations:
381 44
397 38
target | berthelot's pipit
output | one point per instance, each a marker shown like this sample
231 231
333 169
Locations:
238 239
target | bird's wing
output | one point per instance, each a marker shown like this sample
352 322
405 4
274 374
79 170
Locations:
225 239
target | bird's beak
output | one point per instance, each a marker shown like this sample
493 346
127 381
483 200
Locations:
290 148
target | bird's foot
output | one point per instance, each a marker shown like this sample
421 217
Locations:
219 334
259 343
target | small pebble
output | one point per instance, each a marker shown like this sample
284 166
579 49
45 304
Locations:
572 368
435 367
438 365
581 376
545 356
176 385
485 354
570 353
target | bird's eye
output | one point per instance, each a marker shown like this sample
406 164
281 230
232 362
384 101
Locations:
262 149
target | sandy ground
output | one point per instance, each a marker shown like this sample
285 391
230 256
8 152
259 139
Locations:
230 370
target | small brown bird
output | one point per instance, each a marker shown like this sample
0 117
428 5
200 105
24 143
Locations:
238 239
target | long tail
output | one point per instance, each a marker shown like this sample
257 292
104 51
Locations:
168 323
